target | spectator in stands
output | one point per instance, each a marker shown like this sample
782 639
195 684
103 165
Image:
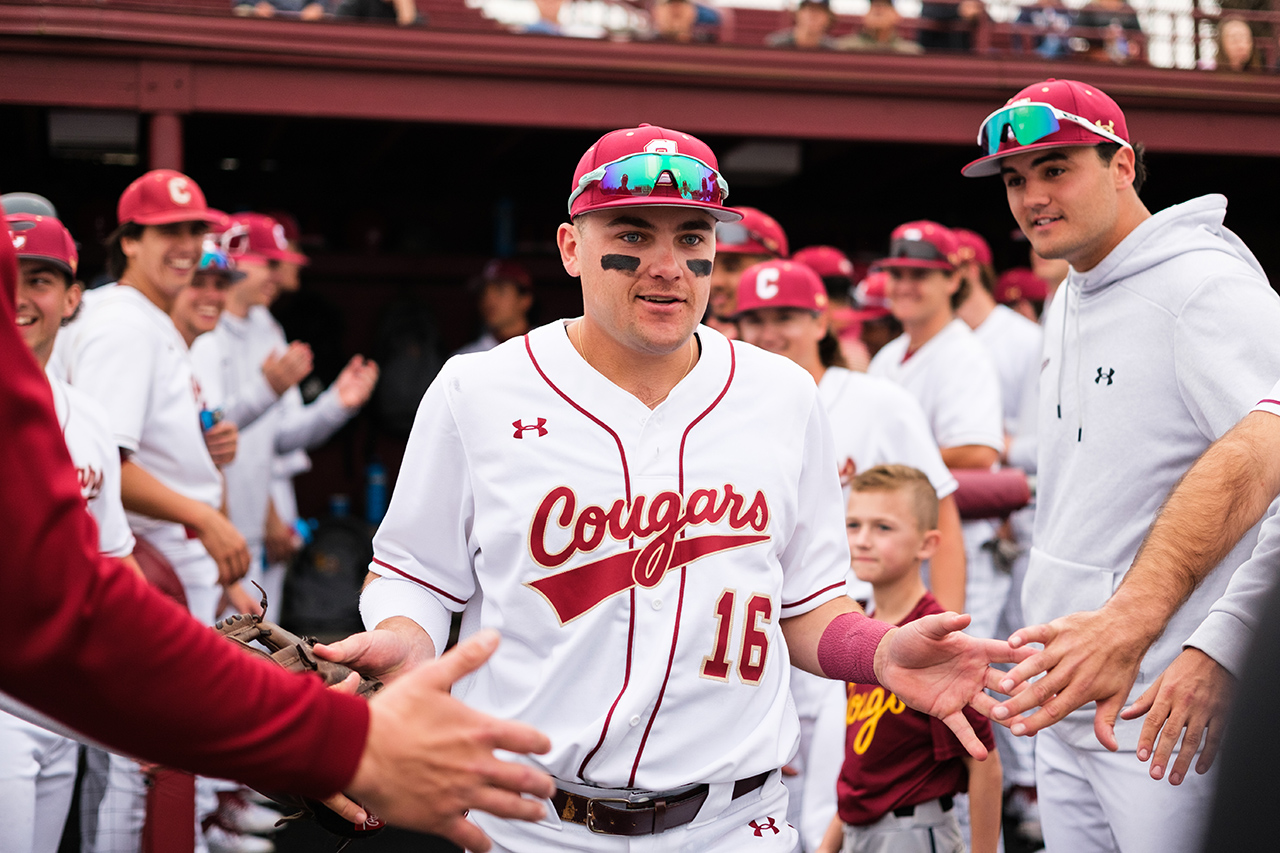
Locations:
676 21
1236 48
811 30
1114 24
307 10
403 12
955 20
548 23
880 31
1050 20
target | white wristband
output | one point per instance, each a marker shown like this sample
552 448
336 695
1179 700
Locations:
386 597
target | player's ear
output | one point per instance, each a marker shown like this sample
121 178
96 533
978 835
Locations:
568 239
929 546
72 301
1123 168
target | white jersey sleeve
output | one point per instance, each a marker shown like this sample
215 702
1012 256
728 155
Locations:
426 533
115 356
306 426
1270 403
97 460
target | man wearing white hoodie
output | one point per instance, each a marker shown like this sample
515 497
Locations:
1160 340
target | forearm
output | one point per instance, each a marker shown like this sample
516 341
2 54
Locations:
1224 494
250 401
970 456
947 567
305 427
986 787
804 632
142 493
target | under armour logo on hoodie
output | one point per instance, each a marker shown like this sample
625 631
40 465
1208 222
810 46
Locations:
1107 376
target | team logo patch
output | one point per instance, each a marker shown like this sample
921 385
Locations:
540 425
662 519
178 191
913 234
661 146
19 240
768 825
767 283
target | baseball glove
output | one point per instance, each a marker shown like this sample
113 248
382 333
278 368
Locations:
267 640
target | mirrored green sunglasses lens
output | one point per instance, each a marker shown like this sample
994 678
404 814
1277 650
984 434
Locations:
1028 122
640 176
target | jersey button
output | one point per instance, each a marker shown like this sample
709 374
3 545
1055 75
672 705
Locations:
635 721
657 604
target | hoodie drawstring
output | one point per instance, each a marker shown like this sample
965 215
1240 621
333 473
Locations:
1062 357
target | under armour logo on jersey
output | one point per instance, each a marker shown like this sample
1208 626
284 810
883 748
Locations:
1101 376
759 828
540 426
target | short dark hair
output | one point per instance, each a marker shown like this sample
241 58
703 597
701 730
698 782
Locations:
1107 150
116 261
962 292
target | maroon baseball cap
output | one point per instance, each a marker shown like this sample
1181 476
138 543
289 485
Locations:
780 284
871 297
614 173
43 238
922 245
972 246
826 261
257 237
163 197
756 233
1085 115
1020 283
501 269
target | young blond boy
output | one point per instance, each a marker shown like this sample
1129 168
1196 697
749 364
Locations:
902 768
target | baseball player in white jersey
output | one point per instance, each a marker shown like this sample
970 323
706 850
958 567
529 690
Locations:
782 308
38 766
240 350
1159 341
651 514
940 362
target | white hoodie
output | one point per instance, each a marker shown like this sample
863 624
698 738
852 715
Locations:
1149 357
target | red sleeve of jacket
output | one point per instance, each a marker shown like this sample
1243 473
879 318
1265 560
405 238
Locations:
88 643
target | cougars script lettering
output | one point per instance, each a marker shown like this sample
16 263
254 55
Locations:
662 519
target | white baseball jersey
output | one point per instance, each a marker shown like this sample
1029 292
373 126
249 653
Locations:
97 459
953 380
1016 345
129 357
875 422
1271 403
637 562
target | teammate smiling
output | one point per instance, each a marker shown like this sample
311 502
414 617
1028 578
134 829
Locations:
657 661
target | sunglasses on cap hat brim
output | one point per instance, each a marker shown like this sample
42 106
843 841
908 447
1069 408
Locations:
1026 125
915 254
733 236
653 175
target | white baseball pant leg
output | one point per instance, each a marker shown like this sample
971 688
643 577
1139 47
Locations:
37 780
929 830
1095 801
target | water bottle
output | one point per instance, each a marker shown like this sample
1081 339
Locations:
375 497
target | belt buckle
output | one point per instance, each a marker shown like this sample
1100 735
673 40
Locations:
591 812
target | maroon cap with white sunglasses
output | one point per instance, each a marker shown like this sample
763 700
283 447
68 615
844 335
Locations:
1085 115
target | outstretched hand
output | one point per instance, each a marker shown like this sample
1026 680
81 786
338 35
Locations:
381 654
1194 694
429 758
934 668
1091 656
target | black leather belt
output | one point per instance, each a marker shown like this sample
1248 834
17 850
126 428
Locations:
610 816
946 801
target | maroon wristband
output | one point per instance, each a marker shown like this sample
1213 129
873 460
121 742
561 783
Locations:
847 650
